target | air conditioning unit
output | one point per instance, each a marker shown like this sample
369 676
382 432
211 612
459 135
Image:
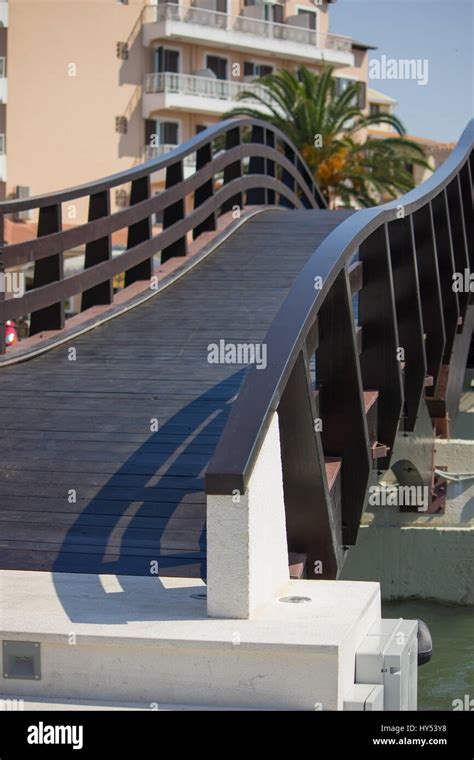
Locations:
121 125
122 51
22 192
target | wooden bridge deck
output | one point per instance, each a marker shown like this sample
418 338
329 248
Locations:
86 484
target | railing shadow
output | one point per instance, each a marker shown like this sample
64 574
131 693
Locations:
115 548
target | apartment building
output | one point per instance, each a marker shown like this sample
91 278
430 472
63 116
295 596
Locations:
98 86
435 152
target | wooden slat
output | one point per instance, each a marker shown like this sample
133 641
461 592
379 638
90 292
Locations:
409 316
48 270
139 232
307 502
446 266
430 291
458 233
98 251
205 191
379 362
356 276
345 432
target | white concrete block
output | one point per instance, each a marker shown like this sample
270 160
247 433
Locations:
152 644
247 555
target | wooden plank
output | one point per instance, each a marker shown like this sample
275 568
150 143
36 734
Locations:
86 424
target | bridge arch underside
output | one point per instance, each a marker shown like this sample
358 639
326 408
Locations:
104 456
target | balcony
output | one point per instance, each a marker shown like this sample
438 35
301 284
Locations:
191 93
155 151
245 33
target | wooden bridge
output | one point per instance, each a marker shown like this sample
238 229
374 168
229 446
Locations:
116 424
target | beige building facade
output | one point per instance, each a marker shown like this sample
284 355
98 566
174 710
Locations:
97 86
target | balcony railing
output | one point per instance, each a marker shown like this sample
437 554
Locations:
155 151
246 25
190 84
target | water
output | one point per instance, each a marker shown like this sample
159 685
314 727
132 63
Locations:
450 674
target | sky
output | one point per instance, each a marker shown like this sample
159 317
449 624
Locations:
440 32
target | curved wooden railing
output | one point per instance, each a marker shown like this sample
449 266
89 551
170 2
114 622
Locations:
408 251
238 163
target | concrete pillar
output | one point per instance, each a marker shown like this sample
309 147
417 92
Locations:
247 556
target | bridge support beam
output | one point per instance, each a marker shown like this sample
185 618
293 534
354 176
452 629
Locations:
247 556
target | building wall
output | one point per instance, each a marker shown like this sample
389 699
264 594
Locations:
61 128
66 87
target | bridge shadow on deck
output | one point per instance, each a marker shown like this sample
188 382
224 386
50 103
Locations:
163 533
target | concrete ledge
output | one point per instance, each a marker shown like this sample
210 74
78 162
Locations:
149 640
415 562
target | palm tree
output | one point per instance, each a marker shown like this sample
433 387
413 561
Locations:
327 126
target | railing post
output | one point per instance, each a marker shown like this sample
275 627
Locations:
466 190
256 195
139 232
444 248
98 251
345 432
379 363
307 500
233 170
270 165
205 191
456 219
430 291
174 213
286 177
409 316
2 290
48 270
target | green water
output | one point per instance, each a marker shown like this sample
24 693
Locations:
450 674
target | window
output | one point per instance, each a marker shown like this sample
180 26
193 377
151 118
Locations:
256 69
217 65
375 109
2 145
342 85
167 60
3 68
361 99
311 18
200 128
161 132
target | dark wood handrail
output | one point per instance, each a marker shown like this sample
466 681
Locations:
262 391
